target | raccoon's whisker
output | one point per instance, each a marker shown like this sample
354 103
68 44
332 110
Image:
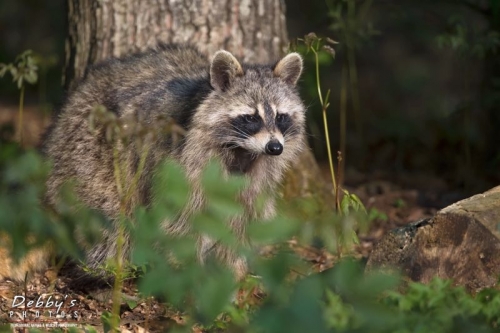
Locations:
233 133
311 135
240 136
289 132
231 138
232 146
231 142
240 131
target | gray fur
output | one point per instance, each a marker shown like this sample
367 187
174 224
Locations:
208 99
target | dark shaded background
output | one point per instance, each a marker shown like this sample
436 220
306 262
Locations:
428 72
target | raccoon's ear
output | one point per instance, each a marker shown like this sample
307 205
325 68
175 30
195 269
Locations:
223 70
289 68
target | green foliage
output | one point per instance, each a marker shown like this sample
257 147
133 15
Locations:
23 70
399 203
351 202
201 291
440 307
375 214
353 29
29 225
468 40
341 299
475 35
344 228
349 22
318 46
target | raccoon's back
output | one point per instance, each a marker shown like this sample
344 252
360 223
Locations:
149 80
168 81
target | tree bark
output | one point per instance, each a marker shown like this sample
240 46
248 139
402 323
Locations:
253 30
461 242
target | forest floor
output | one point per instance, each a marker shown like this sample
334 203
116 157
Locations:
394 201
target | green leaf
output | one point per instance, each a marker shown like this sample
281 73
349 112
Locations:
13 72
352 236
3 69
107 320
214 295
31 77
275 231
132 304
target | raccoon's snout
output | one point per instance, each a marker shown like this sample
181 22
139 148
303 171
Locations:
274 148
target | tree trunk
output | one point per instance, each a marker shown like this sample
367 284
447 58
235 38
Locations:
461 242
253 30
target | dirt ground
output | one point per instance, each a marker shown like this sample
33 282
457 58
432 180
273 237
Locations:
399 200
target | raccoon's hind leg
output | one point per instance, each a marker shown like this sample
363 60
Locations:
235 262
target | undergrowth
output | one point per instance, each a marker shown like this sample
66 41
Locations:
341 299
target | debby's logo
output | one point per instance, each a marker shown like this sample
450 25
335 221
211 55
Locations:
42 311
51 305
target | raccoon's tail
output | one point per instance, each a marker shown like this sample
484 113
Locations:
36 260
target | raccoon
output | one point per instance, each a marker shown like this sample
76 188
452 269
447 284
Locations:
247 116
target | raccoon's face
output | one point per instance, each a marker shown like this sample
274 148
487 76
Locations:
256 108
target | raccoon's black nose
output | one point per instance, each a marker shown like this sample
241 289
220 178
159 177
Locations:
274 148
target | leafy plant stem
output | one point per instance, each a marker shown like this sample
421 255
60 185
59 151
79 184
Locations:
339 175
137 175
125 194
20 120
118 285
324 106
117 172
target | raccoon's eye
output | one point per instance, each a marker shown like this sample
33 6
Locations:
280 117
250 118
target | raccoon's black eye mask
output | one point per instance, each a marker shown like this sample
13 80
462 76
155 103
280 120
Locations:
247 125
280 117
283 122
249 118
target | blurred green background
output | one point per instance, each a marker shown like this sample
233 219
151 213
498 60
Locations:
421 81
